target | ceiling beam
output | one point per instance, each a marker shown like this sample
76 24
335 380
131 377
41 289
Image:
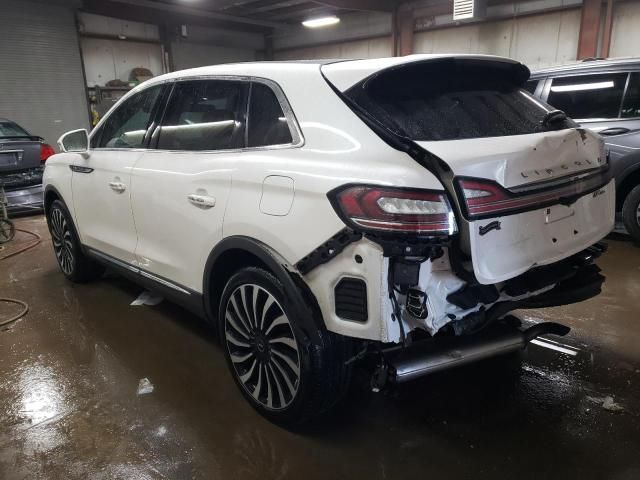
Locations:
197 12
365 5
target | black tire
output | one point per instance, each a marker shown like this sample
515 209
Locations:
75 265
631 213
262 336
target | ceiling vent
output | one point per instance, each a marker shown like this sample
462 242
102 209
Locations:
469 9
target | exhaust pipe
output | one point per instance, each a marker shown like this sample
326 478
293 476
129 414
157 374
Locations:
423 358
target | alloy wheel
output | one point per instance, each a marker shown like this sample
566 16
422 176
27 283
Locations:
62 240
262 346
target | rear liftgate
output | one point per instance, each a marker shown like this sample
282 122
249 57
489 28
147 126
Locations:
419 226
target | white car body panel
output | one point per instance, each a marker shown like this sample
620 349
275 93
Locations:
104 213
278 195
540 237
537 237
175 236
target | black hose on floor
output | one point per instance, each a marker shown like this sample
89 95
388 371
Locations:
24 305
25 248
22 313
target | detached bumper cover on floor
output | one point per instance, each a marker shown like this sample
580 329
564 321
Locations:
25 200
24 190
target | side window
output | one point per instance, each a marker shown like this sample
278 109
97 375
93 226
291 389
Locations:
127 125
631 104
531 86
204 115
267 123
588 96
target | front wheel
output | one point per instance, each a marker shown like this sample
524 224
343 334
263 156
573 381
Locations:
631 213
75 265
286 374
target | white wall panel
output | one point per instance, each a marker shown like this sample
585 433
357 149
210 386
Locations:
352 26
537 40
106 60
625 33
371 48
190 55
101 25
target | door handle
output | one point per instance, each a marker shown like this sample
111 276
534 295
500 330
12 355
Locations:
202 201
117 187
614 131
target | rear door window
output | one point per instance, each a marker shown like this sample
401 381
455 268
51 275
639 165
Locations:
631 104
267 122
436 101
585 97
205 115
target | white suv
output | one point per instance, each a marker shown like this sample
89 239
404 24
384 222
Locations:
323 213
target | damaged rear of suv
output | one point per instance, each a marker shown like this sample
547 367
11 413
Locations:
396 215
524 198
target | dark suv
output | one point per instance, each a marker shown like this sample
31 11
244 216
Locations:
603 95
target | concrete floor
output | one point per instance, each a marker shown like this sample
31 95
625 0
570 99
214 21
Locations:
69 407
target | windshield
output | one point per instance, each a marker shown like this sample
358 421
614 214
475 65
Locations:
440 101
10 129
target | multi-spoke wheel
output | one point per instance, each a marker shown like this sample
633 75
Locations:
288 367
73 263
62 240
262 346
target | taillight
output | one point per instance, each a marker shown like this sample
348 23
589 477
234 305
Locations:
485 198
45 152
394 210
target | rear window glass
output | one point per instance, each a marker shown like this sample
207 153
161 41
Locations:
10 129
437 101
267 123
588 96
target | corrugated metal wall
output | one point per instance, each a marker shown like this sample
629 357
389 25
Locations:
41 82
537 40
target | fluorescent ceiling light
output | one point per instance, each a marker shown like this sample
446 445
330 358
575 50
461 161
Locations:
583 86
321 22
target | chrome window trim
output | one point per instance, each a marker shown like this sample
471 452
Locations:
292 121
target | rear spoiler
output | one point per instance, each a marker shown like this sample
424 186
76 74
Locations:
31 138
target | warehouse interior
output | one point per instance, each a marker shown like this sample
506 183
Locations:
107 380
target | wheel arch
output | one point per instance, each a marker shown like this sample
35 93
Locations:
51 194
630 180
236 252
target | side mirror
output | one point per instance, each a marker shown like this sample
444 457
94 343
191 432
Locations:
75 141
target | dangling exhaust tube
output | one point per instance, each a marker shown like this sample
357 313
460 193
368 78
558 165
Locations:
423 358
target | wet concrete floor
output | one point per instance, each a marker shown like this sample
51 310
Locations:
69 408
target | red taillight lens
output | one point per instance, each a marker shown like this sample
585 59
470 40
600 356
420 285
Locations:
485 198
45 152
394 210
